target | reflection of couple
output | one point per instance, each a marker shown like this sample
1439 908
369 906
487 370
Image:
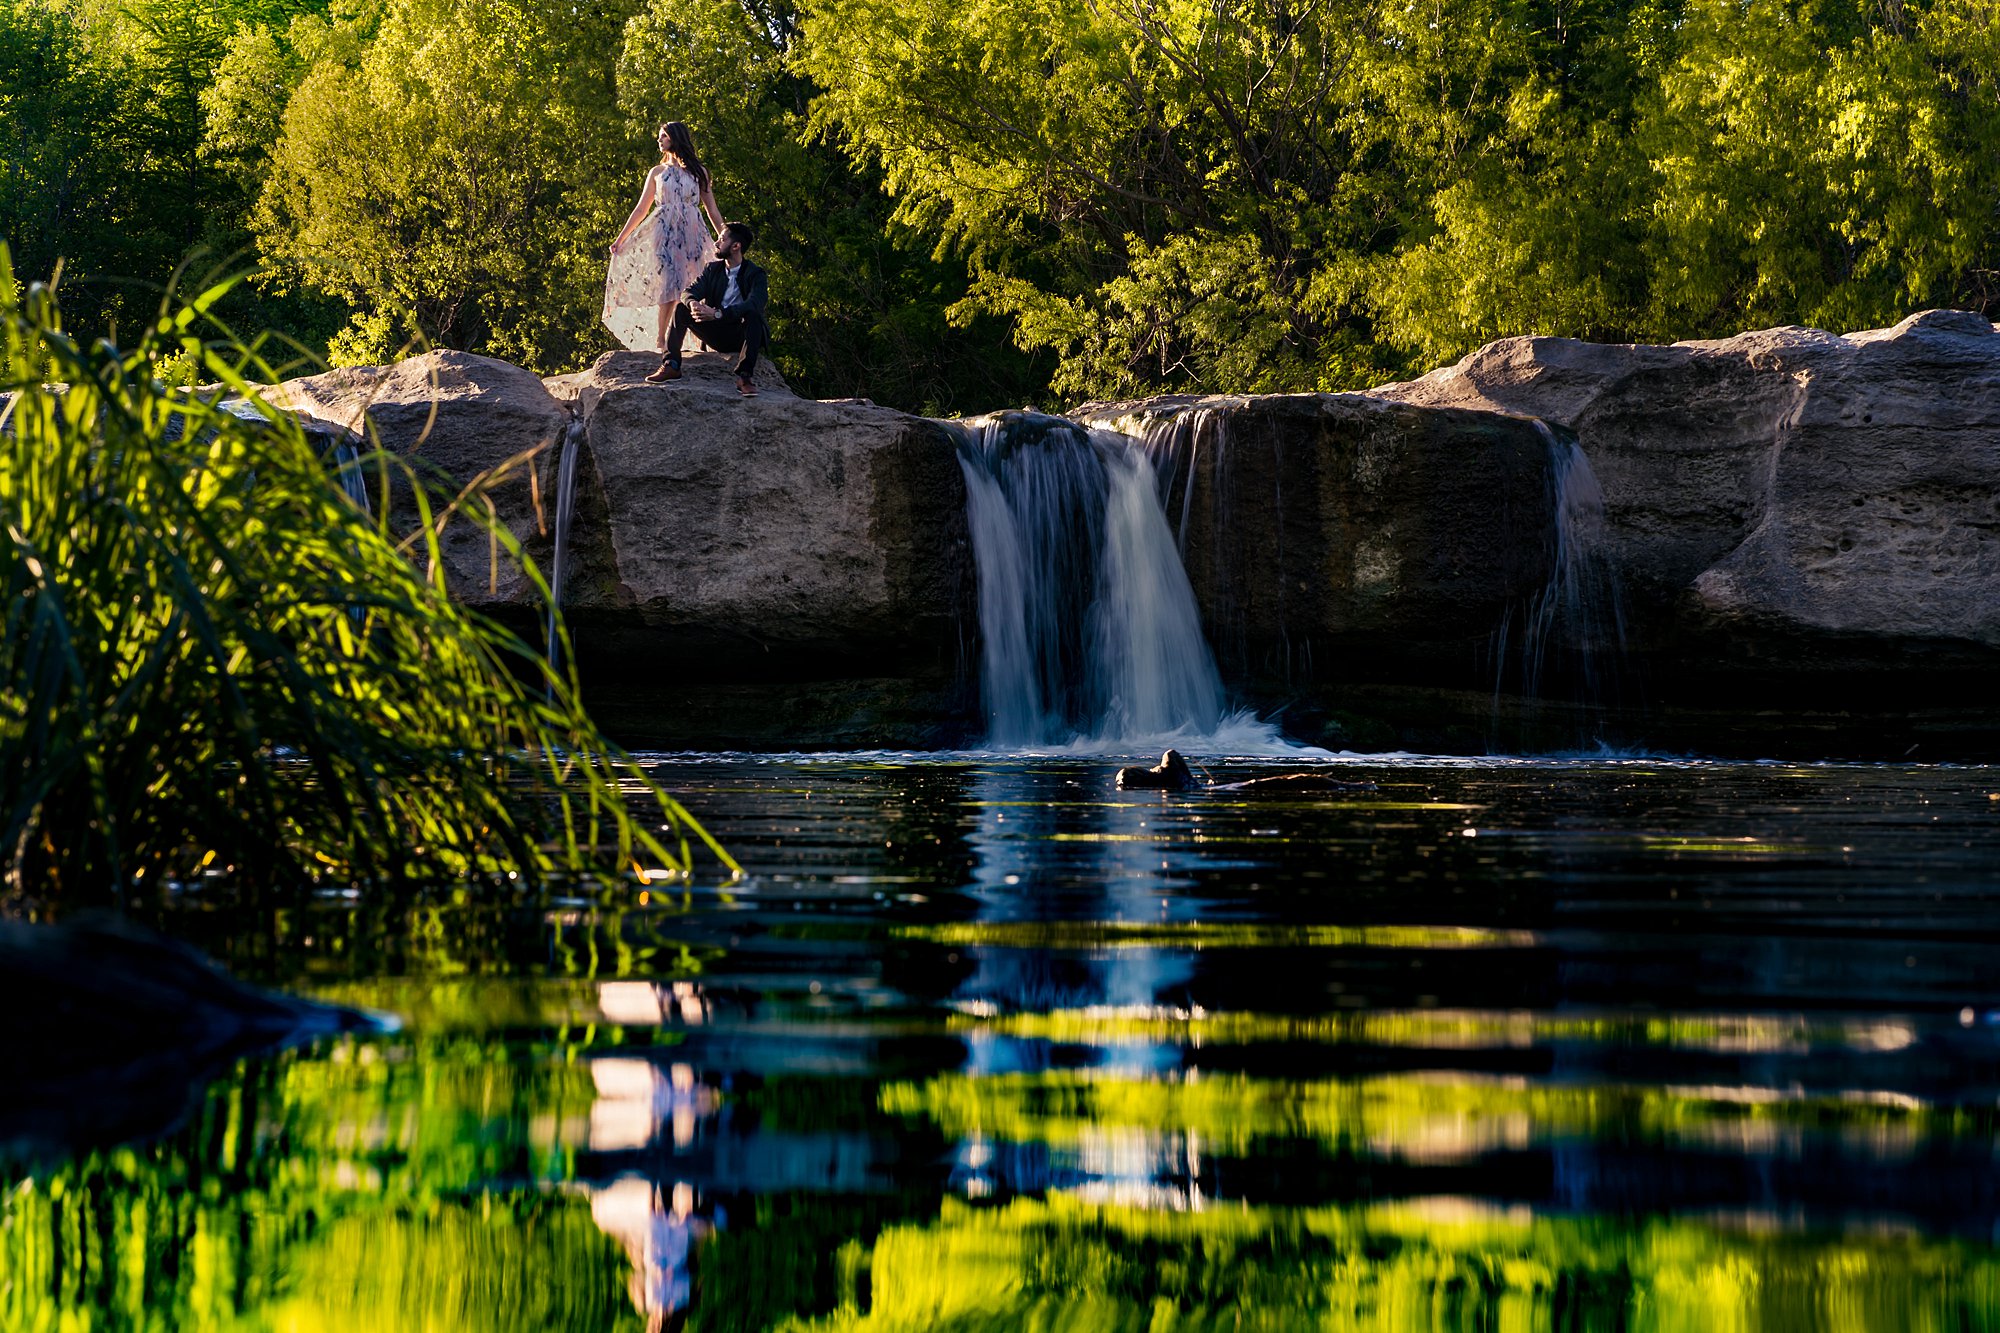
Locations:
661 1234
666 280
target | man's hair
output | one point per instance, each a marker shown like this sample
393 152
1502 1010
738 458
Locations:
742 233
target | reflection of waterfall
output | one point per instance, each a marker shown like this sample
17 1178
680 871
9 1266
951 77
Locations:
1088 624
1038 861
1571 645
572 445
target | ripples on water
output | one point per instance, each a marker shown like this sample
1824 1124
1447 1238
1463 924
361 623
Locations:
983 1043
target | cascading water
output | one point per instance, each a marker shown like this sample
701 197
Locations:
1176 445
1572 641
346 462
1090 631
572 445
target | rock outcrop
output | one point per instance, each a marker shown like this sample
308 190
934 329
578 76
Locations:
769 571
1806 529
1788 479
456 418
730 545
1800 518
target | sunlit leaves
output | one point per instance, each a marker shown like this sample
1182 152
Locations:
1239 196
458 177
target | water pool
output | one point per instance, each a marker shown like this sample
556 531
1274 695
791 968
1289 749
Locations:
982 1043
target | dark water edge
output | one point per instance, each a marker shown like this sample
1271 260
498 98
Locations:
982 1043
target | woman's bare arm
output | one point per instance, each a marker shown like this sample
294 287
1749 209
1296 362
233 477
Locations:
638 211
709 206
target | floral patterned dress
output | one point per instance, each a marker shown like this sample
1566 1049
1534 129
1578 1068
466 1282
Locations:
664 255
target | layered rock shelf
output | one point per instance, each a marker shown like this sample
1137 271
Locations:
1800 530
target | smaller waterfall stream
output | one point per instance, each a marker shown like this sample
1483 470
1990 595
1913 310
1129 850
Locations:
1572 644
1090 632
346 462
572 445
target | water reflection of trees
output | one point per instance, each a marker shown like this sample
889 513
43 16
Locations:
366 1186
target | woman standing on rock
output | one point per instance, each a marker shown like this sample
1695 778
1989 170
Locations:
656 257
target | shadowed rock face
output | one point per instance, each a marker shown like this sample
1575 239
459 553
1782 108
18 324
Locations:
734 544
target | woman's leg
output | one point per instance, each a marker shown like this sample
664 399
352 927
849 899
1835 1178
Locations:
666 314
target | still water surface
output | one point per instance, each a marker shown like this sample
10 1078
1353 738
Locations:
983 1043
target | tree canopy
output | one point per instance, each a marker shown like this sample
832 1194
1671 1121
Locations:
968 204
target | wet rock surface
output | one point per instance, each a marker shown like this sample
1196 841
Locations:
1331 537
111 1030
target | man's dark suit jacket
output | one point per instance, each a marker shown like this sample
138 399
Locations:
751 289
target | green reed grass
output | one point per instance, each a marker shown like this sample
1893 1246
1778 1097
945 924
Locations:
213 660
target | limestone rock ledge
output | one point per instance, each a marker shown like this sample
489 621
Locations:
727 544
1786 481
1804 526
769 571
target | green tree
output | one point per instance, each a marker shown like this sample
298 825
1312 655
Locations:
1142 187
1818 162
457 177
858 305
65 191
1248 195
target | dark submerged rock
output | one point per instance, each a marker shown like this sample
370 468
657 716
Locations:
111 1031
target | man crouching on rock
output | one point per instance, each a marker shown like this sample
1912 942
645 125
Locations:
725 308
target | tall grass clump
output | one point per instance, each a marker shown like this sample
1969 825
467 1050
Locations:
213 659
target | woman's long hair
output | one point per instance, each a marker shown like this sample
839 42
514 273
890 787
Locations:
680 147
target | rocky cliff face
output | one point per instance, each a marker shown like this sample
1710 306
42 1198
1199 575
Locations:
1806 522
769 571
1333 539
1803 525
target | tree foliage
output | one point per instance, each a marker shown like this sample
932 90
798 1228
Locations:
453 180
1134 194
1252 194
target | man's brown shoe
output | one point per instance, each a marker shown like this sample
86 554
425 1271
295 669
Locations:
745 387
669 370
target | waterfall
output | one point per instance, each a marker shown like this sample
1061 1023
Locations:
572 445
1572 644
1090 632
346 462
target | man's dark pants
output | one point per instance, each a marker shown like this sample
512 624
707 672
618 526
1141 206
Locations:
726 334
